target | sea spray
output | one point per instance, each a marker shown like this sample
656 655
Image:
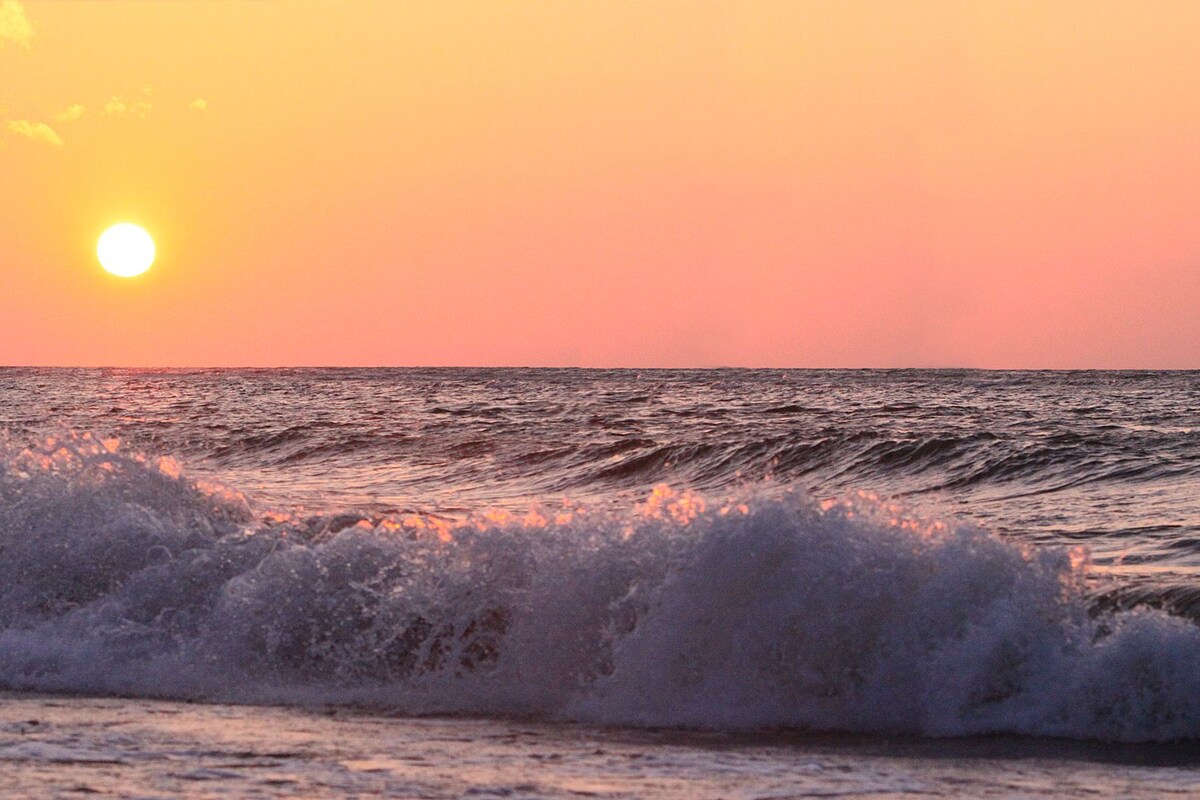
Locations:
122 575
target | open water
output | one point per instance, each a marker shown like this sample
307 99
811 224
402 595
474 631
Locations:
653 555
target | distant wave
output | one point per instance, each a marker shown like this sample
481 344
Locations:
945 461
118 574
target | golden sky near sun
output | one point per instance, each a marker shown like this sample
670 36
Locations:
626 183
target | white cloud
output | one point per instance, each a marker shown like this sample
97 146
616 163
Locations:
37 131
14 25
139 107
70 114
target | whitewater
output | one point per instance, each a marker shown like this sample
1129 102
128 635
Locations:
641 559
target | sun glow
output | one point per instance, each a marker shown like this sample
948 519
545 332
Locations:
125 250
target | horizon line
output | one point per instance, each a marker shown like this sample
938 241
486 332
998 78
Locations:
713 368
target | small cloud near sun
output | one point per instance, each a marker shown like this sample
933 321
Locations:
37 131
139 107
15 27
70 114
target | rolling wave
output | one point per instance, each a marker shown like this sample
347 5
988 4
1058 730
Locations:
846 456
750 610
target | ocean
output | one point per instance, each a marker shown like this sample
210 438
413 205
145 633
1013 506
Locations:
609 583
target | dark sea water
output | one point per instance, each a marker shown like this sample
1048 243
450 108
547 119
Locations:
940 553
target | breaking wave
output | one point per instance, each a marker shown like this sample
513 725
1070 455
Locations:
119 574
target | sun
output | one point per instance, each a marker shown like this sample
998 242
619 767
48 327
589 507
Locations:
125 250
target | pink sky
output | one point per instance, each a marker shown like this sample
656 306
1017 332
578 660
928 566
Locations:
627 183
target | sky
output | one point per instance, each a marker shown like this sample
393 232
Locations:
636 183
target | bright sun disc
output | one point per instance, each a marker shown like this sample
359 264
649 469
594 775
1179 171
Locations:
125 250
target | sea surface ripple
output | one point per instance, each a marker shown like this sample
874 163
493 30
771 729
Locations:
927 551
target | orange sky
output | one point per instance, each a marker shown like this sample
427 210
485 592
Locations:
618 183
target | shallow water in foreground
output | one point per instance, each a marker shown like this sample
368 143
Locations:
74 747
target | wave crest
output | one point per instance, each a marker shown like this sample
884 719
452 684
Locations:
119 574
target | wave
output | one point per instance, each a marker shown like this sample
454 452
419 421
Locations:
119 574
845 456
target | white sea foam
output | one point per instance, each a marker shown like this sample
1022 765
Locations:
117 574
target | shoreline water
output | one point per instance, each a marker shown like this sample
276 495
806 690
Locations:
59 744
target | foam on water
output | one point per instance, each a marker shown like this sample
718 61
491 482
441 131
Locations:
119 574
